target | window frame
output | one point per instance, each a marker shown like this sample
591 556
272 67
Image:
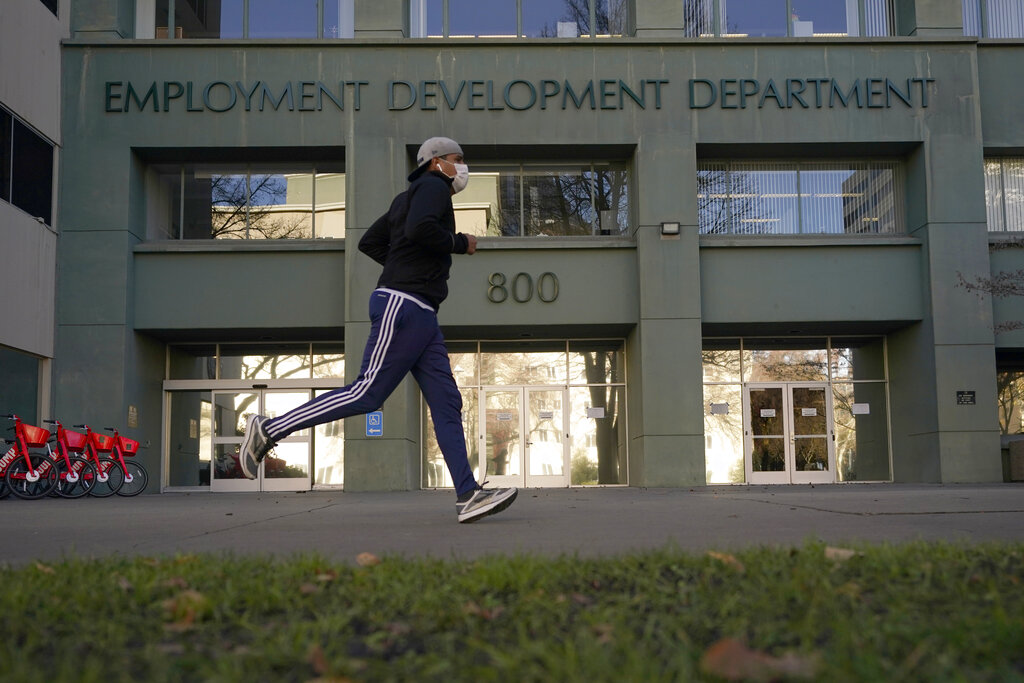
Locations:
19 130
800 166
418 22
172 31
589 168
246 170
717 9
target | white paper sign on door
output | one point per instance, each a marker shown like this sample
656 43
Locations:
808 412
860 408
767 412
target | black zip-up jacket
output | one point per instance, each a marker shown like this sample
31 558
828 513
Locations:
415 239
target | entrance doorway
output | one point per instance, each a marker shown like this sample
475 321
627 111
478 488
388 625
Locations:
287 468
789 435
524 436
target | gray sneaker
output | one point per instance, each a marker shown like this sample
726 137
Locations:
482 502
255 446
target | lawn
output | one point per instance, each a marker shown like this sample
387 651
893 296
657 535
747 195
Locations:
928 612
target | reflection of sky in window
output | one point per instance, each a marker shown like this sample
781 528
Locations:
282 18
768 17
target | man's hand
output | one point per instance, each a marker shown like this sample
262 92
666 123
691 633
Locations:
471 246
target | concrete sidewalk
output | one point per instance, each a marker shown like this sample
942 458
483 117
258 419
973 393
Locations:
588 522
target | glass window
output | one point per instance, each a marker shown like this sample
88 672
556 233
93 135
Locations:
598 454
754 18
758 198
329 361
264 361
518 363
269 19
31 172
329 451
993 18
857 358
244 202
525 18
721 360
597 362
785 360
435 472
192 361
767 18
1004 194
723 433
546 200
51 5
862 432
482 18
282 19
189 438
1010 395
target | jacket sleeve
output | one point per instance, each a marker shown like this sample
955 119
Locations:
376 241
424 223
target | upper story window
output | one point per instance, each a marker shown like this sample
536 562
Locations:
537 200
250 18
789 198
519 18
994 18
26 168
1004 194
787 18
246 201
51 5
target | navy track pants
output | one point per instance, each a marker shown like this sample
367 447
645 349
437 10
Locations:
404 337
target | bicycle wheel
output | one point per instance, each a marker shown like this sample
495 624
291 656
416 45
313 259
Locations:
76 481
135 482
35 484
109 478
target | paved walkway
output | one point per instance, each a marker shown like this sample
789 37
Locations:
551 522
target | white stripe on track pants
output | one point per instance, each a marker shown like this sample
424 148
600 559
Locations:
404 337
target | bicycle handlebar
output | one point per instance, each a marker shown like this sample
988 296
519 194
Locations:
80 426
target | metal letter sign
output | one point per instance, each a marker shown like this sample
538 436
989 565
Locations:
375 423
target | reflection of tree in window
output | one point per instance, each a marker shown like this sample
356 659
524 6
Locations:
610 17
243 207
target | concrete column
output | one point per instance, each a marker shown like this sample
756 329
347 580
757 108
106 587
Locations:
376 172
659 19
929 18
667 429
937 436
109 19
382 19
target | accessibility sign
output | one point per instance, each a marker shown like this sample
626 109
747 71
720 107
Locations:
375 423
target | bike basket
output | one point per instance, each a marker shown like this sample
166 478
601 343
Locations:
35 436
102 442
129 446
75 440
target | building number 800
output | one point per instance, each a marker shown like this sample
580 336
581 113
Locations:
522 287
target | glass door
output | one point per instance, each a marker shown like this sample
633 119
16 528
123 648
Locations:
765 432
546 438
789 433
501 437
812 434
539 459
288 465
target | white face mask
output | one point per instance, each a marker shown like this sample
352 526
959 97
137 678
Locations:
461 177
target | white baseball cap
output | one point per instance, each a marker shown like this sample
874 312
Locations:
434 147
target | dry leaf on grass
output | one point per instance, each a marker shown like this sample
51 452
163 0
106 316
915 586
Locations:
367 560
732 660
839 554
727 559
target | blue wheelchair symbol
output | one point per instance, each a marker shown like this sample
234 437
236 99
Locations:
375 423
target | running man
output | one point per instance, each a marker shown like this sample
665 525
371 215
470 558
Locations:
414 242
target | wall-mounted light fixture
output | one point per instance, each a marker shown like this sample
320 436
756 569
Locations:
670 229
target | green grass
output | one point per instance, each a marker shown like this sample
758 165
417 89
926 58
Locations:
928 612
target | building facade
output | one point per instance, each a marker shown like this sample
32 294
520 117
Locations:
720 241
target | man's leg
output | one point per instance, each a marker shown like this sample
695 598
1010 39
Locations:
433 372
395 343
